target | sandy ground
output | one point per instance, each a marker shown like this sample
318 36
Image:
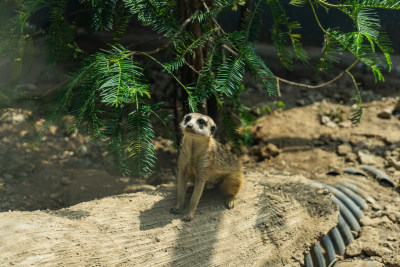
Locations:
275 220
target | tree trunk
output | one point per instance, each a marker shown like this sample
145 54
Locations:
276 219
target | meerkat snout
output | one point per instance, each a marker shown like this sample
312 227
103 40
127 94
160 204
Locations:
198 124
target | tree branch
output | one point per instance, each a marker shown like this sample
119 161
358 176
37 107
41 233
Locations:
319 85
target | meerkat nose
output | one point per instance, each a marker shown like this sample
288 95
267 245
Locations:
189 126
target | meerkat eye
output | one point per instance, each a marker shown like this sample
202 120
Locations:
201 122
187 119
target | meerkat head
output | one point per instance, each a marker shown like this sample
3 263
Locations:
198 125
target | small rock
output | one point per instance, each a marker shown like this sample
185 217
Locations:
5 140
328 122
394 216
2 182
82 151
52 129
354 249
344 149
23 133
300 102
345 124
376 206
392 260
393 162
369 159
390 170
395 153
13 117
325 119
323 191
360 263
351 157
331 124
389 245
337 96
372 249
67 154
124 180
272 149
375 221
245 158
385 114
65 181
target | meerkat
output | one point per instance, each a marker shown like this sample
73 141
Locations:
203 160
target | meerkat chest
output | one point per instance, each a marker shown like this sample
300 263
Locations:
198 159
194 152
194 158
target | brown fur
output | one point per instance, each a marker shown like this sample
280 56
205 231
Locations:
202 160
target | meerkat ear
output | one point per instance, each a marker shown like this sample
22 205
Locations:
213 130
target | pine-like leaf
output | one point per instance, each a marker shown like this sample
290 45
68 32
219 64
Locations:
230 128
119 79
60 34
357 110
159 14
206 83
370 26
140 149
26 8
113 131
298 3
121 22
103 14
362 51
283 35
259 69
328 58
230 75
252 22
384 4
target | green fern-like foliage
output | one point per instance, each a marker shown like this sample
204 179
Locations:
283 35
161 15
109 84
109 96
103 14
368 36
330 49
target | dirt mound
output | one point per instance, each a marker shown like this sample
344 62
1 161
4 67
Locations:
318 138
276 220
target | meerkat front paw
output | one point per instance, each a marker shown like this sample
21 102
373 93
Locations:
175 211
187 218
